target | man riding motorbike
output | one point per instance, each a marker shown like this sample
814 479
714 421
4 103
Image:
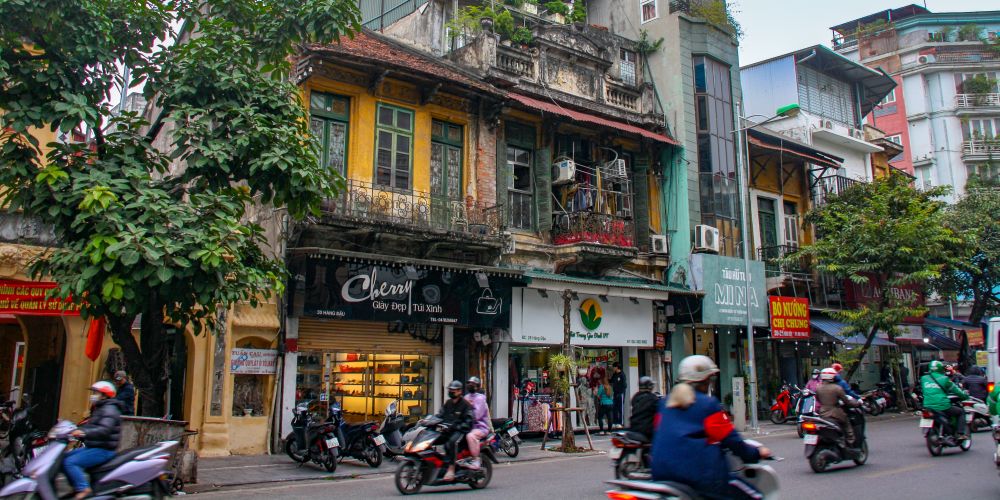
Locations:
837 367
644 407
831 395
99 435
456 416
481 426
692 431
975 383
937 386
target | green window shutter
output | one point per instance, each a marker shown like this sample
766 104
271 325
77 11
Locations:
543 190
640 199
503 177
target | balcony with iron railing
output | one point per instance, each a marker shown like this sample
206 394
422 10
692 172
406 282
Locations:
775 266
974 101
594 228
831 185
366 203
981 149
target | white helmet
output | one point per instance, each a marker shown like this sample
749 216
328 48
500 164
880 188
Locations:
106 388
697 368
828 374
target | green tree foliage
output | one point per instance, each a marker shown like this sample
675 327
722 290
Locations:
167 235
883 234
720 14
977 277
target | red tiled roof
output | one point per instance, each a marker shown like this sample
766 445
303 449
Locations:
371 47
578 116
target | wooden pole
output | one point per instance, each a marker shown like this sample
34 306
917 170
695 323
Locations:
568 440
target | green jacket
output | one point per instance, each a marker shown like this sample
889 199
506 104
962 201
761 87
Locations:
936 388
993 401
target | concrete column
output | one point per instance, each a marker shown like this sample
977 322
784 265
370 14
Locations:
439 383
632 372
501 382
290 370
449 355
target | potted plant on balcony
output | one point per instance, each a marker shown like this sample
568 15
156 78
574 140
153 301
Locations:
557 11
980 86
522 37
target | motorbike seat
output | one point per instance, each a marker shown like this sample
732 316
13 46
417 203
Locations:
499 422
120 459
635 436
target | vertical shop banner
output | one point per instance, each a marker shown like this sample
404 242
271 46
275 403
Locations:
789 317
724 281
30 298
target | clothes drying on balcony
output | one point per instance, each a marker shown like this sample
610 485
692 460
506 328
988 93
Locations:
835 329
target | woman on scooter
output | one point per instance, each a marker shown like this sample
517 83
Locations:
99 435
481 426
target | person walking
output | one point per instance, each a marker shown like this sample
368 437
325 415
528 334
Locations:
126 393
620 387
606 401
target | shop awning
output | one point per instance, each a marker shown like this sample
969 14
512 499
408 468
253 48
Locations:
795 150
939 338
835 329
612 286
973 332
578 116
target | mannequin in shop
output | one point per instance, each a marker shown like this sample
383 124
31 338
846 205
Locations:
585 398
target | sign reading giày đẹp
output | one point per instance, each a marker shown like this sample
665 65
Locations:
724 281
789 317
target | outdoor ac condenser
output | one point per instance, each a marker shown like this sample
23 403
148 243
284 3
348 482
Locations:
706 239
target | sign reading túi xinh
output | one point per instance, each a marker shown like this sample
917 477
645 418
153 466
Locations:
245 361
30 298
789 317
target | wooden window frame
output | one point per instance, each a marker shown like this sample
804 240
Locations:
447 142
395 132
642 6
328 118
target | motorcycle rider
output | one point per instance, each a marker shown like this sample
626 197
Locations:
481 426
644 407
692 431
813 385
456 415
975 383
831 395
100 435
936 386
843 383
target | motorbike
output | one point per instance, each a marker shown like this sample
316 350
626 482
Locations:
134 473
391 431
872 402
311 440
805 406
24 442
361 441
784 404
940 431
977 414
886 391
996 444
505 436
760 476
424 464
826 443
630 455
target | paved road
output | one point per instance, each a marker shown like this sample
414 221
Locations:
899 467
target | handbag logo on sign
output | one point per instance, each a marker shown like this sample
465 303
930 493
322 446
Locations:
488 304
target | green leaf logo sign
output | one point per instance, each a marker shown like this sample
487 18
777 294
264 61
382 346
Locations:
590 314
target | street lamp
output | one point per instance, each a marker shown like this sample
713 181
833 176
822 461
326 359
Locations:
789 110
940 352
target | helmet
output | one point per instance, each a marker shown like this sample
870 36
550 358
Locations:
815 371
837 367
936 366
645 384
455 385
697 368
106 388
475 381
828 374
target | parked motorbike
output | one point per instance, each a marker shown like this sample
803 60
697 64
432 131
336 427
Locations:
311 440
826 443
424 464
505 436
391 431
886 391
940 431
977 414
630 455
24 442
135 473
872 402
361 441
762 477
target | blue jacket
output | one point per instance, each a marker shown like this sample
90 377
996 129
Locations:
688 445
847 387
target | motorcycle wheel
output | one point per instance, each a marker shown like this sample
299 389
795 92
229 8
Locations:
817 463
293 451
487 474
373 455
330 461
778 417
409 480
863 457
934 445
626 466
509 446
798 429
965 445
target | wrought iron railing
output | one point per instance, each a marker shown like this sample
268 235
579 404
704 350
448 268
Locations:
591 227
831 185
977 100
774 266
370 203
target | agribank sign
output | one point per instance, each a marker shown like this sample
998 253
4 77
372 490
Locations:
724 281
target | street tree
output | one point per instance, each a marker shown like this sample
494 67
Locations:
883 235
976 278
161 230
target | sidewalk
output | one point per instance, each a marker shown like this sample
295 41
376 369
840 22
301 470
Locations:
242 470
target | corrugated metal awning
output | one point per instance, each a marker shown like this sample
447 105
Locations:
577 116
835 329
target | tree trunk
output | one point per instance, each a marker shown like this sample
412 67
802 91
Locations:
902 402
568 439
146 358
864 351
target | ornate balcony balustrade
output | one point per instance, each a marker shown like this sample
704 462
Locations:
590 227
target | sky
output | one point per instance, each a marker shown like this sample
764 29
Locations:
776 27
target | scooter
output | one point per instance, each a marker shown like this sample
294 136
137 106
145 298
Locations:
940 431
505 436
977 414
425 465
805 406
134 473
24 442
783 404
826 443
761 477
630 455
311 440
872 403
391 431
360 441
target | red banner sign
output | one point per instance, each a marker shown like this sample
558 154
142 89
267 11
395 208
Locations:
857 295
789 317
29 298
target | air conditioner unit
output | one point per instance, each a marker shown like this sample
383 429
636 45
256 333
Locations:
563 172
658 244
926 59
616 168
706 239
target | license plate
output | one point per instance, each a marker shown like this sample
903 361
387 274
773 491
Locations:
926 423
332 443
810 439
512 432
615 453
881 401
968 417
380 440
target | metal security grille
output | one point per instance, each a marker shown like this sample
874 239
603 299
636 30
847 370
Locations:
825 96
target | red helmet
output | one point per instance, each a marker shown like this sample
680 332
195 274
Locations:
950 369
837 366
106 388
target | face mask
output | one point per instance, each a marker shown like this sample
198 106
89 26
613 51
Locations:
94 398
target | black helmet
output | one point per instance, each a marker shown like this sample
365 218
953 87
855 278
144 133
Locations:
455 385
474 381
645 384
